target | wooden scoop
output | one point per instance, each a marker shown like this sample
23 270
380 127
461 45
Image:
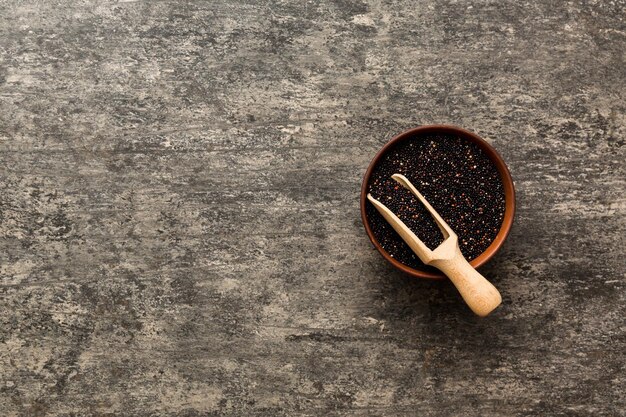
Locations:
479 294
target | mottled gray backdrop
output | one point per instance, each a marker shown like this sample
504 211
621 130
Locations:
179 220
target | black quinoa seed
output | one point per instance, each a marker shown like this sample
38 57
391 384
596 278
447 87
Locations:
456 177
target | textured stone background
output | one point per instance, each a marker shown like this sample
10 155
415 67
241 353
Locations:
179 221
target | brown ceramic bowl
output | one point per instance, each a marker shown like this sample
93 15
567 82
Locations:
509 194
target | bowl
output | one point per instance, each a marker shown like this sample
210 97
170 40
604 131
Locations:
507 182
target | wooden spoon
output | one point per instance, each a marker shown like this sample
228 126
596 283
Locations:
479 294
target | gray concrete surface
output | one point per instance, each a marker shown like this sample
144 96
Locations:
179 221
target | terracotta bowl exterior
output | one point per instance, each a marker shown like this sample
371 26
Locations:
509 194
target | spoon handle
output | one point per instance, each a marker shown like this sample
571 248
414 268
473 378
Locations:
479 294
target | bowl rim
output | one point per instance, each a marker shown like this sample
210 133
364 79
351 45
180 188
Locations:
507 181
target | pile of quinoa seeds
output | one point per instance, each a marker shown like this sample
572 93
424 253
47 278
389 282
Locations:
456 177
